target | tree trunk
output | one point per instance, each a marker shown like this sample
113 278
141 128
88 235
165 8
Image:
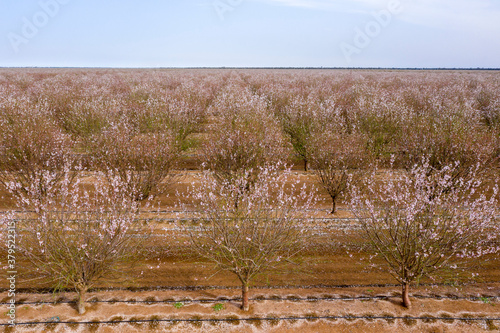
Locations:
244 296
236 200
406 297
81 300
334 206
305 165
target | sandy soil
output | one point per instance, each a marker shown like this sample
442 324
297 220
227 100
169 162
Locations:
325 263
282 303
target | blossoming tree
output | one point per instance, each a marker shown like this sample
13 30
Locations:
143 161
256 236
81 236
339 160
244 139
34 155
419 235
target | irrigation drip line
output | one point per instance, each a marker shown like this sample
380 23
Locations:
161 211
279 287
195 219
196 212
308 318
257 299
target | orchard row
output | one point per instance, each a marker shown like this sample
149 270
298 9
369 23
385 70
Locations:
436 133
145 121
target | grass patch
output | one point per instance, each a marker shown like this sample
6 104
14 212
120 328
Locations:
487 300
218 307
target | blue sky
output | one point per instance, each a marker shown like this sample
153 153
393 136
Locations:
250 33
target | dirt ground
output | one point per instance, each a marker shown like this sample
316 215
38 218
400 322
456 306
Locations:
328 269
278 303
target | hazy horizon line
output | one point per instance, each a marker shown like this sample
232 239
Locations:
257 67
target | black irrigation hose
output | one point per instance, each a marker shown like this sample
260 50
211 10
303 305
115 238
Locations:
257 299
309 318
174 211
196 219
198 288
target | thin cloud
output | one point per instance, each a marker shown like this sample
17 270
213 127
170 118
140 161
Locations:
313 4
448 14
453 14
